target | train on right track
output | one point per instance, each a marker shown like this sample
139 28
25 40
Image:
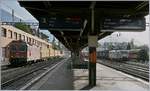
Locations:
122 55
117 55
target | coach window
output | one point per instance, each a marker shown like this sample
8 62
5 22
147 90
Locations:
30 40
23 36
27 39
15 34
35 42
9 33
3 32
19 36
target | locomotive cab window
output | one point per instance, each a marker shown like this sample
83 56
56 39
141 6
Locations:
22 47
13 47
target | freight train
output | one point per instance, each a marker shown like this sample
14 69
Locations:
19 47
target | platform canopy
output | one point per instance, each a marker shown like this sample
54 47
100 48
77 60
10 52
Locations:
70 21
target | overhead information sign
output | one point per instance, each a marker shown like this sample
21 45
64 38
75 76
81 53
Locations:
53 23
123 24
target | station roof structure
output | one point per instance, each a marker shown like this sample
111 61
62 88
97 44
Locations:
70 21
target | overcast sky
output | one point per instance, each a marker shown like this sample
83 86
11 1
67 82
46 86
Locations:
18 10
139 37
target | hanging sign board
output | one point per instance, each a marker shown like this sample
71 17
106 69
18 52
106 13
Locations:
61 24
123 24
43 23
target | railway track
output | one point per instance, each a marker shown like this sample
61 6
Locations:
7 67
132 69
15 83
11 67
15 72
138 64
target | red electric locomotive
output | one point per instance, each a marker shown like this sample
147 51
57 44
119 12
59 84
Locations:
17 52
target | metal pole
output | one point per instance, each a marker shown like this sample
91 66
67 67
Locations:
92 66
13 17
92 40
92 60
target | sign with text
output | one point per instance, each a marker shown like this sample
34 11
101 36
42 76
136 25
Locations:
123 24
53 23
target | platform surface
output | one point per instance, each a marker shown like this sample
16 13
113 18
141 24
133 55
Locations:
109 80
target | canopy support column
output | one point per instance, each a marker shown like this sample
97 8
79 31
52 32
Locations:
92 60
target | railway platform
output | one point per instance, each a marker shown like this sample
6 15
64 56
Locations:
65 77
109 79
